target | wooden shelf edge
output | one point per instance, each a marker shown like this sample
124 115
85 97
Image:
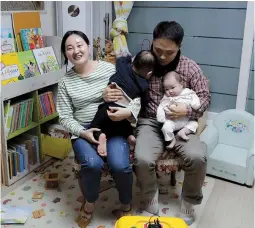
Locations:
22 130
29 85
47 118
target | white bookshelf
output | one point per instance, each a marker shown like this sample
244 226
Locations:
27 86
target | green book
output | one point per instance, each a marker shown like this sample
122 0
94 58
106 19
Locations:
21 114
27 64
23 124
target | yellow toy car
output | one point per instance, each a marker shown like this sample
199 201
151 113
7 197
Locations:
144 221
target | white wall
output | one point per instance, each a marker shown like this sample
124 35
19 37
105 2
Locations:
48 19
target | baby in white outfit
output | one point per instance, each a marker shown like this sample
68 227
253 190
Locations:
174 95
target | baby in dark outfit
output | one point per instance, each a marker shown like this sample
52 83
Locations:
132 79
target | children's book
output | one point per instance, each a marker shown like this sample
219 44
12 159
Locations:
23 20
28 65
10 71
7 33
7 45
7 41
32 38
14 215
7 117
46 59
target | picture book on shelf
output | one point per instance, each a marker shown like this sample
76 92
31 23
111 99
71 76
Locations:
8 112
24 20
31 38
7 33
7 45
18 115
7 41
28 65
46 59
10 71
46 104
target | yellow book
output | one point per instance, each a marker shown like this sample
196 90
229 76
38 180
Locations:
10 69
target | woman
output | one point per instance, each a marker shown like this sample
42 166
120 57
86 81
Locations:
80 92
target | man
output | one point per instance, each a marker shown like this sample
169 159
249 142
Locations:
167 41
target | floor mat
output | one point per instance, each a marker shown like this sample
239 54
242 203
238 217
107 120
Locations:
61 206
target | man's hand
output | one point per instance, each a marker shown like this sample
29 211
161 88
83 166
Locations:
112 94
177 111
118 113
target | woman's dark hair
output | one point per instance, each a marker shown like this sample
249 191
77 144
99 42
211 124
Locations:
170 30
63 43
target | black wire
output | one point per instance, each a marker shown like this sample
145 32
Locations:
151 218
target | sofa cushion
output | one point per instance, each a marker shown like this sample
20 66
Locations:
230 154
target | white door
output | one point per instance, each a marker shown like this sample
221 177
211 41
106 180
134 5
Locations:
75 15
85 16
102 20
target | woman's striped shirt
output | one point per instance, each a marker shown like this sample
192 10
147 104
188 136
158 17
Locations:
79 97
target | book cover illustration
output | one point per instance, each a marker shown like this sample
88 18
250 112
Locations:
7 45
9 68
6 33
14 215
7 41
32 38
23 20
28 65
46 59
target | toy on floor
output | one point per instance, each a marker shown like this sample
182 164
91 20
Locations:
56 200
52 181
150 222
38 213
38 195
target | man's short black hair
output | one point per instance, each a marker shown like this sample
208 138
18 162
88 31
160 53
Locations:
170 30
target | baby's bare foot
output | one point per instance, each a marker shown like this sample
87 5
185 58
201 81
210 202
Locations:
182 134
131 141
101 148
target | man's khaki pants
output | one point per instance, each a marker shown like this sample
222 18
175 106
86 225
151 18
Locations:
149 145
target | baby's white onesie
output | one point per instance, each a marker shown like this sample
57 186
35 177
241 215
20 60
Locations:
187 97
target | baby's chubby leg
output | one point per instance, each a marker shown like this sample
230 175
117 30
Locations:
190 128
168 132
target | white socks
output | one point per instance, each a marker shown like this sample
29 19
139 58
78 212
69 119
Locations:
187 212
151 202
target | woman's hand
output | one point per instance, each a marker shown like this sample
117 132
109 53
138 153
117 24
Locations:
112 94
176 111
88 135
118 113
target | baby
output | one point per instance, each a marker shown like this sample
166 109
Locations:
174 95
132 79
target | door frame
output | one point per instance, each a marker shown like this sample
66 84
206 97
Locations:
100 8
